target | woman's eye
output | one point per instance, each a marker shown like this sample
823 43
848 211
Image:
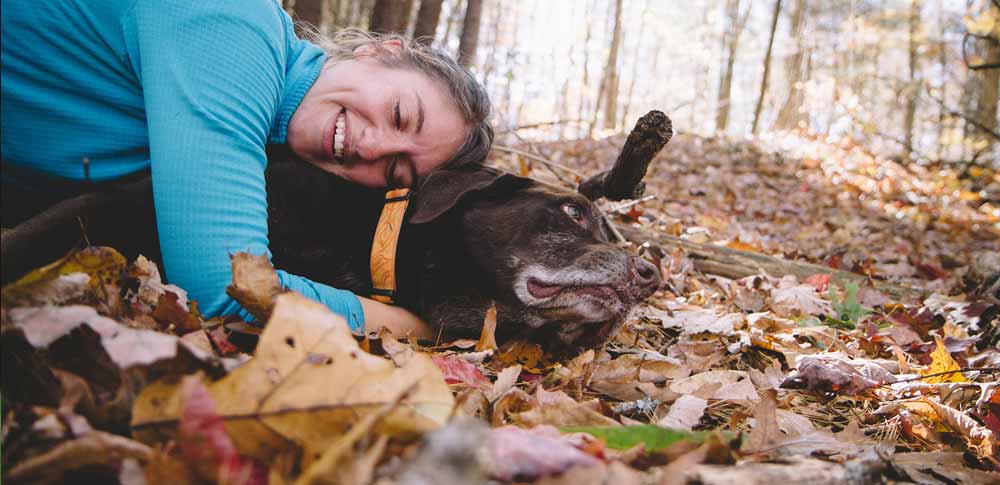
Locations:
573 211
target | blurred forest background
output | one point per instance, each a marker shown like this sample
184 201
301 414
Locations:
916 80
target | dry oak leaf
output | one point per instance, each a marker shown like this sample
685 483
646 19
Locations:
527 454
308 383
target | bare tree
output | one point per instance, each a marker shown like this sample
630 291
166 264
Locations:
611 71
913 86
731 42
427 21
986 82
470 33
788 115
767 67
308 13
387 16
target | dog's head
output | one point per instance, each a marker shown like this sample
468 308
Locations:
547 252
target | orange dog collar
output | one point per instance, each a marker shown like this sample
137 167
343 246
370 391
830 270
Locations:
383 260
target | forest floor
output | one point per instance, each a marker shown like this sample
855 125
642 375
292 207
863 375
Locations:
712 380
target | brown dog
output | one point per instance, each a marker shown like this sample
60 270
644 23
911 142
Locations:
474 236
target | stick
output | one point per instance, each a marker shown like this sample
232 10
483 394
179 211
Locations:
735 264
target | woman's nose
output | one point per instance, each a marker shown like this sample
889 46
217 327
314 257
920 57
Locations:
375 146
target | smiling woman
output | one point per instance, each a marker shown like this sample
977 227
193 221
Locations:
96 94
424 110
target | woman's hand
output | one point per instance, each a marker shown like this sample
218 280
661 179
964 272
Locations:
399 321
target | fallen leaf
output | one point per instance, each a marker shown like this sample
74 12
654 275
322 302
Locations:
456 371
273 401
528 355
255 284
506 380
103 266
685 413
204 443
941 361
527 454
836 376
979 438
653 437
798 300
487 338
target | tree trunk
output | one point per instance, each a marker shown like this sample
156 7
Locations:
788 115
913 87
731 42
309 12
386 16
986 83
427 21
470 33
611 71
403 14
767 68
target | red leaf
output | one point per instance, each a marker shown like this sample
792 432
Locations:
205 445
456 371
527 454
221 341
820 281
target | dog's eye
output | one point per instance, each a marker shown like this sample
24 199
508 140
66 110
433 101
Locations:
574 212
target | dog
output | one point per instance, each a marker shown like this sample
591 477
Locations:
474 236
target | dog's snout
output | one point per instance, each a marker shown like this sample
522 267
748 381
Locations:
647 274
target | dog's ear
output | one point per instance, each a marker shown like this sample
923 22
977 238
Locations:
444 189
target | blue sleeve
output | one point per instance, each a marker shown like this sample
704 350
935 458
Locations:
212 76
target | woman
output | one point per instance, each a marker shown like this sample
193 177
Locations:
95 91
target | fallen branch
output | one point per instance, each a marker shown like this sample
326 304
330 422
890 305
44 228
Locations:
735 264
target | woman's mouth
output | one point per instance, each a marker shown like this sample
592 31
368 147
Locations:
339 135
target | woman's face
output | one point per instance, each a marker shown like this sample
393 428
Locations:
375 125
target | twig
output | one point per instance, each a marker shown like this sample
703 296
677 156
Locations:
537 158
621 207
947 372
972 121
540 124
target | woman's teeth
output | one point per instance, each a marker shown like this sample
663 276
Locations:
338 137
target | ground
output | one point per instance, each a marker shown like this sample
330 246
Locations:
713 380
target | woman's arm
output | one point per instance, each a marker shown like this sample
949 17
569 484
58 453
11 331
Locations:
213 76
399 321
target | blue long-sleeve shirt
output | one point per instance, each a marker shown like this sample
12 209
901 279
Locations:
192 89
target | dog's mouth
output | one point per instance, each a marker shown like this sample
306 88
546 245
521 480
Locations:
542 290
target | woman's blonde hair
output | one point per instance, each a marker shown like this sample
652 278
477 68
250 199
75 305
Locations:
468 95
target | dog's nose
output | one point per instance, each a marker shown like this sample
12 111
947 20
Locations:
647 275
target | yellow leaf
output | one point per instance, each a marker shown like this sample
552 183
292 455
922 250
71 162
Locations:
103 265
307 385
528 355
941 361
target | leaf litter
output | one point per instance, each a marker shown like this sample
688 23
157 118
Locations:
112 375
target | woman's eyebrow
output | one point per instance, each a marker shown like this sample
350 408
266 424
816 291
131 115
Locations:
420 112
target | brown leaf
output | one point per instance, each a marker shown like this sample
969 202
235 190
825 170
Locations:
527 454
308 383
978 437
487 339
255 284
765 432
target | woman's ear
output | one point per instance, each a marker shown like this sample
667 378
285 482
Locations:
393 45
